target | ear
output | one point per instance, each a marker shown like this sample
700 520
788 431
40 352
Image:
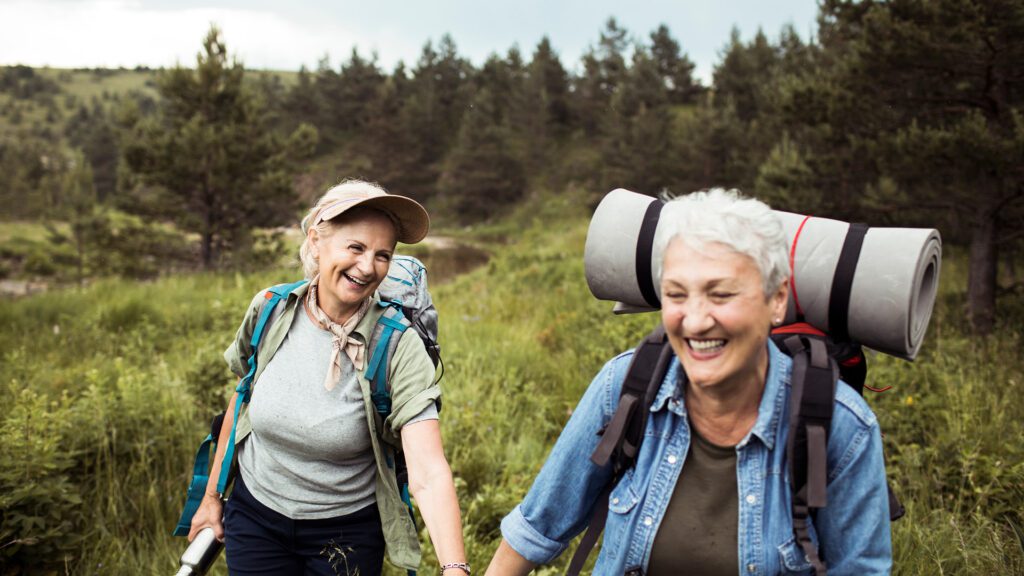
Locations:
312 237
779 299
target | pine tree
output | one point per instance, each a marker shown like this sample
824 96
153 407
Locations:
674 67
637 146
482 173
604 70
923 100
438 95
209 150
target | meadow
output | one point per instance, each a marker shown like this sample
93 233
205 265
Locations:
108 388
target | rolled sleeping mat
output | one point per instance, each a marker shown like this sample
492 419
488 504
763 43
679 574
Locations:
875 285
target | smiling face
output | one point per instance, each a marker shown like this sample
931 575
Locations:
716 314
353 259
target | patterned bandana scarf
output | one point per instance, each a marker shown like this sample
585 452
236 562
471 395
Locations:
340 332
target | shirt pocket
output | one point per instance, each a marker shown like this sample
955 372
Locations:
623 497
792 558
622 504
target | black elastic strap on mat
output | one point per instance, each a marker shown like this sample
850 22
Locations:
620 440
842 282
644 249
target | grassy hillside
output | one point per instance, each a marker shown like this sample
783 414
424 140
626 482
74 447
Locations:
107 391
73 88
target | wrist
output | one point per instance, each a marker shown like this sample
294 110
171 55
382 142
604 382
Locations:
456 568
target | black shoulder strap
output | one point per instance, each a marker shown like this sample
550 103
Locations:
621 439
814 379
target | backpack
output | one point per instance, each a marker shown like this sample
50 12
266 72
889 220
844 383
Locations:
408 304
818 363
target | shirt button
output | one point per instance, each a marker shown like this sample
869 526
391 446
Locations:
751 568
615 500
751 499
648 521
671 458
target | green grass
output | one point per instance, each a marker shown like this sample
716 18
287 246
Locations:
107 391
26 231
80 87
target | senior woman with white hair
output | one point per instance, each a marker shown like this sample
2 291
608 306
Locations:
316 491
709 493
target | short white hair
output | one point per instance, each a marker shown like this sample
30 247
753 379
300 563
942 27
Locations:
745 225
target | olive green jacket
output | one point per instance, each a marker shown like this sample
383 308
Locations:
412 390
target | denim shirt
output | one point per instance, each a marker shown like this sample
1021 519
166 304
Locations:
852 531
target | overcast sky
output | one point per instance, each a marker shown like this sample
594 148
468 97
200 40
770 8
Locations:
286 35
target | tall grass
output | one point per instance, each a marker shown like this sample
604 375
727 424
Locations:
107 391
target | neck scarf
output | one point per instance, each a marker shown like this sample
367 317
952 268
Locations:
353 348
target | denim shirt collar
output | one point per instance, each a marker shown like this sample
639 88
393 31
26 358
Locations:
771 409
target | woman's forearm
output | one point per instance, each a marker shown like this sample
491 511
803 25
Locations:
508 562
431 484
435 496
222 444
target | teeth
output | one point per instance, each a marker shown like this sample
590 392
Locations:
705 345
357 281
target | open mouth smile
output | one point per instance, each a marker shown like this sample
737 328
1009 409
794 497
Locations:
354 280
706 346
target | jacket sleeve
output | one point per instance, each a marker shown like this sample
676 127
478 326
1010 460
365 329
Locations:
561 500
854 527
237 353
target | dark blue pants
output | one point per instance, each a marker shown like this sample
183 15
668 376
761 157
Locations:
260 541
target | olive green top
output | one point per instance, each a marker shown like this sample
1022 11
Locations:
412 390
698 533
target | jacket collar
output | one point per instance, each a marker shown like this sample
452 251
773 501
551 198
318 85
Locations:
769 412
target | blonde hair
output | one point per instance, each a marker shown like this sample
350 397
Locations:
310 263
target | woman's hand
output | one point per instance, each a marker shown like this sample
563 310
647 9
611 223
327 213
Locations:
210 513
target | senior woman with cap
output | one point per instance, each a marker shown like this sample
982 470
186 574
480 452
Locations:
315 491
709 493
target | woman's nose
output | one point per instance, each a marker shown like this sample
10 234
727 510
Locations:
697 317
365 263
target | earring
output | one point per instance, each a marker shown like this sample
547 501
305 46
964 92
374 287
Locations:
777 321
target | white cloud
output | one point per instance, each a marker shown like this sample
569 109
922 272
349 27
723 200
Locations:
119 33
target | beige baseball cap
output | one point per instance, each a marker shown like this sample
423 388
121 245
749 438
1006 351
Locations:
410 217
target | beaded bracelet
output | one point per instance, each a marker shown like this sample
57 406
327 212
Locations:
460 565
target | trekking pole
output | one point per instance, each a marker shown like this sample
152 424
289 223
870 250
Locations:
200 554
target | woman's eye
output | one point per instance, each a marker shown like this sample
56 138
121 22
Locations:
721 295
384 257
355 248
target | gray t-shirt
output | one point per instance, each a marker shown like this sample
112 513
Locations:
309 455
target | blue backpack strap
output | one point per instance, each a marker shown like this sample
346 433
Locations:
390 322
384 343
200 476
201 468
244 389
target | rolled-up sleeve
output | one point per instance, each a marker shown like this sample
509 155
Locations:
412 385
237 353
561 500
